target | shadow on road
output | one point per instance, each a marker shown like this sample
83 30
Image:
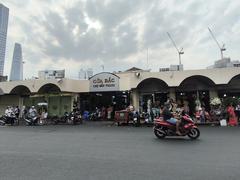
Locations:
178 140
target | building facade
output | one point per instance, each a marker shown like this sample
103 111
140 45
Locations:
134 87
17 64
4 13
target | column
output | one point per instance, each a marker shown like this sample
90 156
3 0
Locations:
172 93
20 102
135 99
74 98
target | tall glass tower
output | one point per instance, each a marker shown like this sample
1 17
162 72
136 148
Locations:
4 12
17 64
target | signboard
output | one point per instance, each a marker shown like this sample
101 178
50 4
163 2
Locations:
104 82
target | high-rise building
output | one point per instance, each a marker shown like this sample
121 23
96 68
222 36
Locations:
82 74
17 64
85 74
89 72
4 12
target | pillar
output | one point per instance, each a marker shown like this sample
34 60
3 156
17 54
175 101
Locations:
20 102
135 99
74 98
172 93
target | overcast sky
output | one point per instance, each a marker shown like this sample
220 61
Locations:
75 34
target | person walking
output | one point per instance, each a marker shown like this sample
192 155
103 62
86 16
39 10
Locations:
232 119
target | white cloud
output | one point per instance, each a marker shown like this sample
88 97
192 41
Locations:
74 34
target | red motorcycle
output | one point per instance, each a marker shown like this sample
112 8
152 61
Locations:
187 127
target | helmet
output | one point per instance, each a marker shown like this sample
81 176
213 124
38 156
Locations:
33 107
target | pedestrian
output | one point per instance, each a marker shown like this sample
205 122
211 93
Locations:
202 115
232 119
109 112
237 110
17 111
24 112
9 115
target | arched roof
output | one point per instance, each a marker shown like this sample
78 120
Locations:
20 90
197 82
234 78
49 88
152 84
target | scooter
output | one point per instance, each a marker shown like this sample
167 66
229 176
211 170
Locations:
6 120
187 127
134 116
31 120
60 120
74 118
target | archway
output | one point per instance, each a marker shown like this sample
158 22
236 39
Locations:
232 89
194 91
152 89
49 88
20 90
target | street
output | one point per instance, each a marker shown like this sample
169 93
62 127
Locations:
103 152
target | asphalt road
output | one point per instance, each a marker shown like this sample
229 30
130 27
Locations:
100 152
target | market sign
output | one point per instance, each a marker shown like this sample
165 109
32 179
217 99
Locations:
104 82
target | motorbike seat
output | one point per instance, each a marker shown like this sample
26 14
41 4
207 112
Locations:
173 124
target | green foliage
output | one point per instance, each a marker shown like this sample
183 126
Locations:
230 100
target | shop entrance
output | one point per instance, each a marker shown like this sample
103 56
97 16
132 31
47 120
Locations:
157 100
232 89
192 99
194 91
118 100
153 91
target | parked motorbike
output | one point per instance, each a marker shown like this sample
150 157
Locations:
146 117
31 120
8 120
135 118
187 127
74 118
60 120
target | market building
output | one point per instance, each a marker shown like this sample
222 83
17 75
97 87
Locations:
134 86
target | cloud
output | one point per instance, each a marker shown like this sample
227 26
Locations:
76 34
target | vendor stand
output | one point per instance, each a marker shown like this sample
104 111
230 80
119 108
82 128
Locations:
121 117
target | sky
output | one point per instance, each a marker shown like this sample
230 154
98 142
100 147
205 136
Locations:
117 34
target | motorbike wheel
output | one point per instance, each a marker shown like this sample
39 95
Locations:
74 122
194 133
27 123
159 133
41 122
69 121
2 123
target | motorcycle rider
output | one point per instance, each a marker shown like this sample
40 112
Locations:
168 116
32 112
8 113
